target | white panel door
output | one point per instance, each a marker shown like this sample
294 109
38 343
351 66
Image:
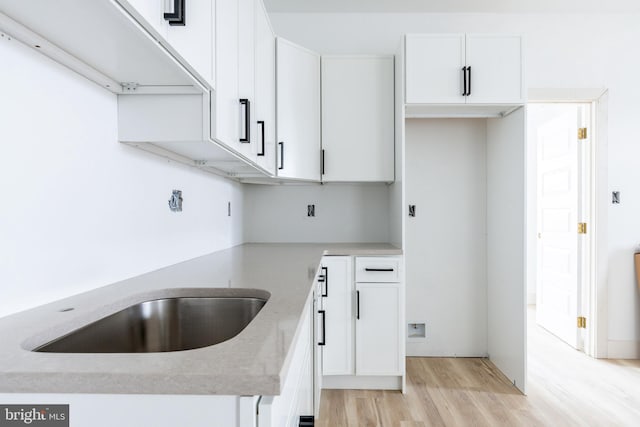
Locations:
506 253
378 329
357 118
265 71
298 111
433 68
336 294
246 78
557 182
226 121
194 40
495 75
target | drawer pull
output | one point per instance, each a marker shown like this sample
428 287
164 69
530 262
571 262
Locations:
378 269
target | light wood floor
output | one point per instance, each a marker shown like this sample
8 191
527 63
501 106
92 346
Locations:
565 388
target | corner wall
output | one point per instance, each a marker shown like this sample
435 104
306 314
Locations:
79 209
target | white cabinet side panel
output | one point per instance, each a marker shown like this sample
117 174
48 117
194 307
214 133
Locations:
506 245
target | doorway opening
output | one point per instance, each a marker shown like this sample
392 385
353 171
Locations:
571 184
562 134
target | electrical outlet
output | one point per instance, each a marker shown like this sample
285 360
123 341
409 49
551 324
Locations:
311 210
417 331
615 197
175 202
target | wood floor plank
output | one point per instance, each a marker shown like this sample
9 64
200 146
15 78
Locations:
565 388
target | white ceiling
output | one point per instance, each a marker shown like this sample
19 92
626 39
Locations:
456 6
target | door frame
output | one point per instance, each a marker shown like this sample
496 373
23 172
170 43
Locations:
594 304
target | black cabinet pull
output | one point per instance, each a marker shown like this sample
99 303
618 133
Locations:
464 81
322 162
246 104
326 281
358 305
469 81
177 17
281 145
378 269
261 124
324 327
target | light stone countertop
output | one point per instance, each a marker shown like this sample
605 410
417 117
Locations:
251 363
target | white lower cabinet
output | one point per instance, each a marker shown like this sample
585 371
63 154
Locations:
296 395
361 323
378 329
337 315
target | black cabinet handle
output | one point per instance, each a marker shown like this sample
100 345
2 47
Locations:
358 305
261 124
322 162
469 81
464 81
177 17
326 281
324 327
281 145
378 269
246 104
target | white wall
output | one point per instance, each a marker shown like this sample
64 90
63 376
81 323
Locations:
446 242
562 51
344 213
80 210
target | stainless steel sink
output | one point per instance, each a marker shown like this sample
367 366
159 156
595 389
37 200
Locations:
170 324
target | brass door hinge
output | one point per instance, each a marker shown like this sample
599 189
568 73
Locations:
582 228
582 133
582 322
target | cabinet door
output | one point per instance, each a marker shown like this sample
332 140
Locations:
151 10
246 78
336 294
496 69
357 118
265 72
194 40
226 113
297 111
378 329
433 68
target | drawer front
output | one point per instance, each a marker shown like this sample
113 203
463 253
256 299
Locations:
377 269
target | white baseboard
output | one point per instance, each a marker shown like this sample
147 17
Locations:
624 349
531 298
357 382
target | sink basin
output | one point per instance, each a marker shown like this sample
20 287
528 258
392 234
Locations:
170 324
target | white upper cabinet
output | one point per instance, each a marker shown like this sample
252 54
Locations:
265 91
188 27
357 118
298 111
194 38
463 69
246 78
495 69
433 67
225 111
